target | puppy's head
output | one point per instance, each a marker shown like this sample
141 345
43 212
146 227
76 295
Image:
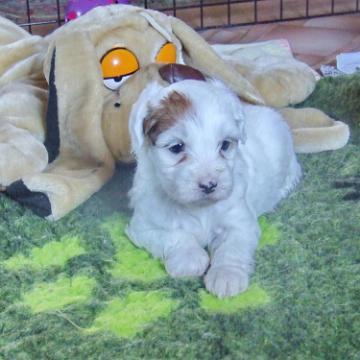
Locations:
186 136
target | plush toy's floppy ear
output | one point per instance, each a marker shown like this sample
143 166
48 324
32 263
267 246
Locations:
200 55
76 97
80 161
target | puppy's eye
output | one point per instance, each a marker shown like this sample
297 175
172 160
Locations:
225 145
177 148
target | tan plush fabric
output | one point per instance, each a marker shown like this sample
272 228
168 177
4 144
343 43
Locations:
272 70
311 126
22 104
201 56
92 121
21 54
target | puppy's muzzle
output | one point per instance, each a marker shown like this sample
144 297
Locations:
208 188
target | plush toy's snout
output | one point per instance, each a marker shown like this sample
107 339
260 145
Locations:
176 72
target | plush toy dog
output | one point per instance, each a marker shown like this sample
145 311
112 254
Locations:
65 99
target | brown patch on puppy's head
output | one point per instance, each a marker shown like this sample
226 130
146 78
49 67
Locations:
161 118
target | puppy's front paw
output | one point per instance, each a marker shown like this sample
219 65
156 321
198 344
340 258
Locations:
226 281
191 261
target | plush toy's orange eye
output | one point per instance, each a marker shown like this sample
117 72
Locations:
118 62
167 54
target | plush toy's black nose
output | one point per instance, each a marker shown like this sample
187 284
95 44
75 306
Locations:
208 188
173 73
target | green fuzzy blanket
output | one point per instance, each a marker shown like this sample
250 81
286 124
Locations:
78 289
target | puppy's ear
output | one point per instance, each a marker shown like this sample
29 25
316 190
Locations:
242 132
138 114
239 116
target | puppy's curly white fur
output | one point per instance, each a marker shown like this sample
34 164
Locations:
207 166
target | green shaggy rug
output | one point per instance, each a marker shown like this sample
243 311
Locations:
78 289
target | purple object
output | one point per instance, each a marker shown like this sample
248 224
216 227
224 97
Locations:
76 8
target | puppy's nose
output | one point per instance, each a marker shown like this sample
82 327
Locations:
209 187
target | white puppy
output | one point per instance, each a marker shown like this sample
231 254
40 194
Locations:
207 166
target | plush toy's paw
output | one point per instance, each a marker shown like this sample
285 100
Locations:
38 202
314 131
284 82
226 281
20 154
192 261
